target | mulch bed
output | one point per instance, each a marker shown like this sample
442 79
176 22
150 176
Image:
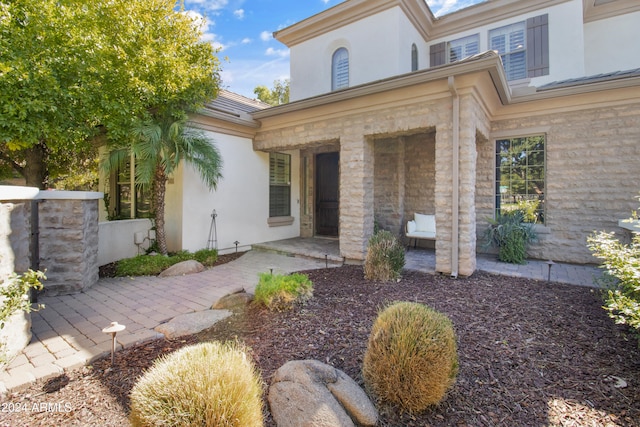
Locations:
531 353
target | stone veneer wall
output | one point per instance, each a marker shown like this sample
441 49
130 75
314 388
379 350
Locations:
68 243
592 175
404 179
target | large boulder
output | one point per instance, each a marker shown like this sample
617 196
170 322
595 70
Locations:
310 393
185 267
191 323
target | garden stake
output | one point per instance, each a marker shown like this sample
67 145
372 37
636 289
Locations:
113 329
326 261
550 263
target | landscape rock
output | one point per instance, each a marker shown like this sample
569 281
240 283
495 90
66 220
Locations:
185 267
191 323
311 393
232 301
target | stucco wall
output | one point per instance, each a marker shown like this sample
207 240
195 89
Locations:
612 44
591 177
379 46
241 200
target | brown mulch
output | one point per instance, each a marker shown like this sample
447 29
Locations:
531 354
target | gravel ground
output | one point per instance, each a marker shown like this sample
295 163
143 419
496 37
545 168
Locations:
531 354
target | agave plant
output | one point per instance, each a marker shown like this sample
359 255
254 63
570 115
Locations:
510 234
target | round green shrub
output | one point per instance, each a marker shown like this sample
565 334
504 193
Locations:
207 384
411 358
385 257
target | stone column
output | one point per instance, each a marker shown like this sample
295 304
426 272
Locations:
69 240
356 195
467 188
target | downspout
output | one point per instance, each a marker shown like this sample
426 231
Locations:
455 177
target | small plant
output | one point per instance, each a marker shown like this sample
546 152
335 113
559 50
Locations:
279 292
206 257
411 358
207 384
14 297
511 235
385 257
622 277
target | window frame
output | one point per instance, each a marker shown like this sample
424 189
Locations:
510 53
279 181
541 211
463 43
414 58
139 195
340 63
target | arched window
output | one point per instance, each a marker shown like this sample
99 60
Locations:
414 57
340 69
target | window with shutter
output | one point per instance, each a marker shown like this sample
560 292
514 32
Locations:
340 69
279 184
538 46
464 47
510 43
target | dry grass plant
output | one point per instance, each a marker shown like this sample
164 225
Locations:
411 357
207 384
385 257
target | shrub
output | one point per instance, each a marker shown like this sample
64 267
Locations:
206 257
207 384
411 358
511 235
622 276
279 292
385 257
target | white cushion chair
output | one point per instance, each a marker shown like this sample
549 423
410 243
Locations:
421 227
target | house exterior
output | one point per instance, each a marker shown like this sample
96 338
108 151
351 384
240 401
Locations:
394 112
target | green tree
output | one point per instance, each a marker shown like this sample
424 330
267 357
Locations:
159 145
276 96
72 72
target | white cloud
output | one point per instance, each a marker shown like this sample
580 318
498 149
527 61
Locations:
282 53
265 36
442 7
244 75
211 5
239 13
246 40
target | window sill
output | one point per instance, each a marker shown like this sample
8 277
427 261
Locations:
280 221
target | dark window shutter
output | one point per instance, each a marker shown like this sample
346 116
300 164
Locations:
438 54
538 46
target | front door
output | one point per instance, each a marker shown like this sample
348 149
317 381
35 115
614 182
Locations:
327 194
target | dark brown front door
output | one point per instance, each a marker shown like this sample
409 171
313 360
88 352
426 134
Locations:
327 194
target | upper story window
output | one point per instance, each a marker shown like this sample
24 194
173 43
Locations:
464 47
520 176
523 47
414 57
510 44
340 69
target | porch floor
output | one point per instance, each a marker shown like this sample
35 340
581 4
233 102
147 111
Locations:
424 260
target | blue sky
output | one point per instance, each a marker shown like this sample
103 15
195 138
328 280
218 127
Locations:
242 30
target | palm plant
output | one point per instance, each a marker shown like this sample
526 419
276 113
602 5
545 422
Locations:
159 145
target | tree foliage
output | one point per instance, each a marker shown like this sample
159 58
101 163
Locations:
71 71
278 95
622 264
